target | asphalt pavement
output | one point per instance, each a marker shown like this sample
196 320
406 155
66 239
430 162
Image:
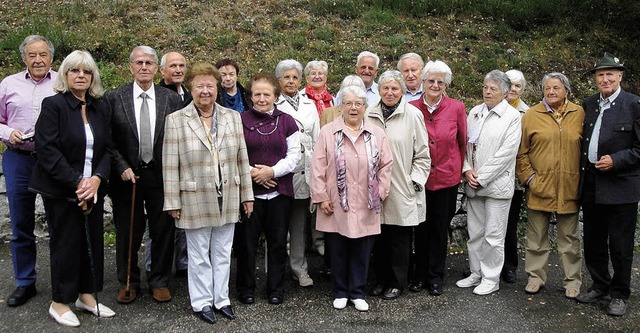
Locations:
310 309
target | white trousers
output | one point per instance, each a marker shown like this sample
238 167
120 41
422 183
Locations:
209 251
487 224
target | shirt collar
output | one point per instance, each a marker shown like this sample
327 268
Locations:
151 93
27 76
611 98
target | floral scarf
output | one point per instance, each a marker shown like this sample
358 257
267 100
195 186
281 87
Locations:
322 100
373 159
294 101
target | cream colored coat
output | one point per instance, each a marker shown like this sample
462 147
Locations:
408 139
309 124
189 168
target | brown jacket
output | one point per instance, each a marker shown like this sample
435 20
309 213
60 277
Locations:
551 150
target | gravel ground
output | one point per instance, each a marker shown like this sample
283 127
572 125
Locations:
310 310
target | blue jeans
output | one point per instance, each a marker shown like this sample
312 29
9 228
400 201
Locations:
17 172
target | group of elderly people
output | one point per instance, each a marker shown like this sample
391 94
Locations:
373 174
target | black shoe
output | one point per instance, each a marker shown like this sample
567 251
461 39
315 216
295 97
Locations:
247 299
617 307
377 290
392 293
416 287
227 311
21 295
590 297
207 315
509 276
275 300
435 289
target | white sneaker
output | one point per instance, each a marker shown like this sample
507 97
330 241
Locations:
486 287
67 319
105 312
470 281
304 280
361 305
339 303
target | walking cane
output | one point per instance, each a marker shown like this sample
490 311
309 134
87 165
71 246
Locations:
127 289
86 210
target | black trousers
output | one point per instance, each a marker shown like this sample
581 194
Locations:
272 218
349 264
149 197
70 269
391 256
511 238
432 235
608 232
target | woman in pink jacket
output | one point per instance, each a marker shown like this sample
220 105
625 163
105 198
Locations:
350 176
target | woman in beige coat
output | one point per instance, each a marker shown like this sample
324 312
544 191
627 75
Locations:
404 207
204 160
548 164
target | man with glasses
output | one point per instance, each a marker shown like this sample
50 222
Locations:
138 112
21 96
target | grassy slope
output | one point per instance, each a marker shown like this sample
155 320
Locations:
260 33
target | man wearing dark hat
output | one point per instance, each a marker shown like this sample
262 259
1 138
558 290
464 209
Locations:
610 185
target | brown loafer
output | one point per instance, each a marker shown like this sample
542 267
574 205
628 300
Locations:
161 294
125 297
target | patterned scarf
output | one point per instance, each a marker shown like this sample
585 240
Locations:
373 158
293 100
322 100
387 111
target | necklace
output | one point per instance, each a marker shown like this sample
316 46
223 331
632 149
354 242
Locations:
206 117
275 127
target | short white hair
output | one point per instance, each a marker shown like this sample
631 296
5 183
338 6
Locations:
148 50
288 64
356 91
392 75
410 55
437 67
515 76
316 64
367 54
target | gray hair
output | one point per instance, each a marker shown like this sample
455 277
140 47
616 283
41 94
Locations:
437 67
515 76
319 64
34 38
410 55
392 75
559 76
350 80
356 91
501 78
367 54
286 65
78 59
148 50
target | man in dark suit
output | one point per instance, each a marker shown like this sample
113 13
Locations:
138 112
610 185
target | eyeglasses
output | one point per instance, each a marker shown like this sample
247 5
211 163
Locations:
352 104
432 82
139 63
76 71
317 74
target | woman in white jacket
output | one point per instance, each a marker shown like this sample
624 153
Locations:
493 140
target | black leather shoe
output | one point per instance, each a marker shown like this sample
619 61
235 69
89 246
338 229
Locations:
377 290
392 293
275 300
617 307
207 315
248 299
21 295
416 287
590 297
509 276
227 311
435 289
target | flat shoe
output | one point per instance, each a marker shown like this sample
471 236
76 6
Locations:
161 294
571 293
392 293
228 312
67 319
127 298
360 304
21 295
105 312
207 315
339 303
533 287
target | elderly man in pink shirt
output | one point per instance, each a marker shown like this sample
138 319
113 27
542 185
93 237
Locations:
21 96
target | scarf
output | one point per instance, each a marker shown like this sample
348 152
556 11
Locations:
233 102
373 158
515 103
294 101
322 100
387 111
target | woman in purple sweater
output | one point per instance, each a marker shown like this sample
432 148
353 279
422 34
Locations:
273 145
